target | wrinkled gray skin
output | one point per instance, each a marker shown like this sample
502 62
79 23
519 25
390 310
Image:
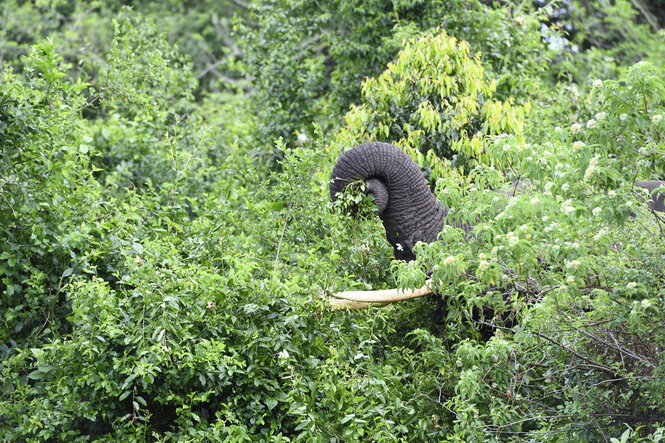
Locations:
658 199
407 207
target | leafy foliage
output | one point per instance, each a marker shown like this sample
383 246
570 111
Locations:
434 97
557 257
82 30
43 150
160 281
309 58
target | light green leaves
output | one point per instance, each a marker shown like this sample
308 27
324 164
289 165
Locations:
434 98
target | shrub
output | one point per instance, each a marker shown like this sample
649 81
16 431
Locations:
45 189
578 260
308 59
434 97
82 31
171 287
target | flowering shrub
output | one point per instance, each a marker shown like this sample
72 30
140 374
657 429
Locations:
577 257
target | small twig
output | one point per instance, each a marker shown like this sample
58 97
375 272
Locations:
540 417
209 68
576 354
579 385
616 348
241 4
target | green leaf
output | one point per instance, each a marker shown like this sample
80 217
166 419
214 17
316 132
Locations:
348 418
271 403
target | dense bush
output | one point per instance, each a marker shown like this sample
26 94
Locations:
308 59
160 282
83 31
586 356
46 191
606 36
435 99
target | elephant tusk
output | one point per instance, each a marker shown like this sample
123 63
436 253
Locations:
384 296
348 305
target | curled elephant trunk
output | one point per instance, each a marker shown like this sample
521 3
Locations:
408 209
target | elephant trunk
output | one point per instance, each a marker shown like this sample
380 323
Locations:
380 193
408 209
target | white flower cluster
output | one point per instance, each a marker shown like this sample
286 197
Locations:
578 146
600 234
575 128
592 167
513 240
573 264
560 170
657 118
567 207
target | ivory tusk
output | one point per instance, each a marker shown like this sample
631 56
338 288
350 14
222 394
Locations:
384 296
348 305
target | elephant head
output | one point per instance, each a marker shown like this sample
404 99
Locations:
406 205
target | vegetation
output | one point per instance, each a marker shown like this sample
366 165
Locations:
167 243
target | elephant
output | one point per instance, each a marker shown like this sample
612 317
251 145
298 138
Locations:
409 211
